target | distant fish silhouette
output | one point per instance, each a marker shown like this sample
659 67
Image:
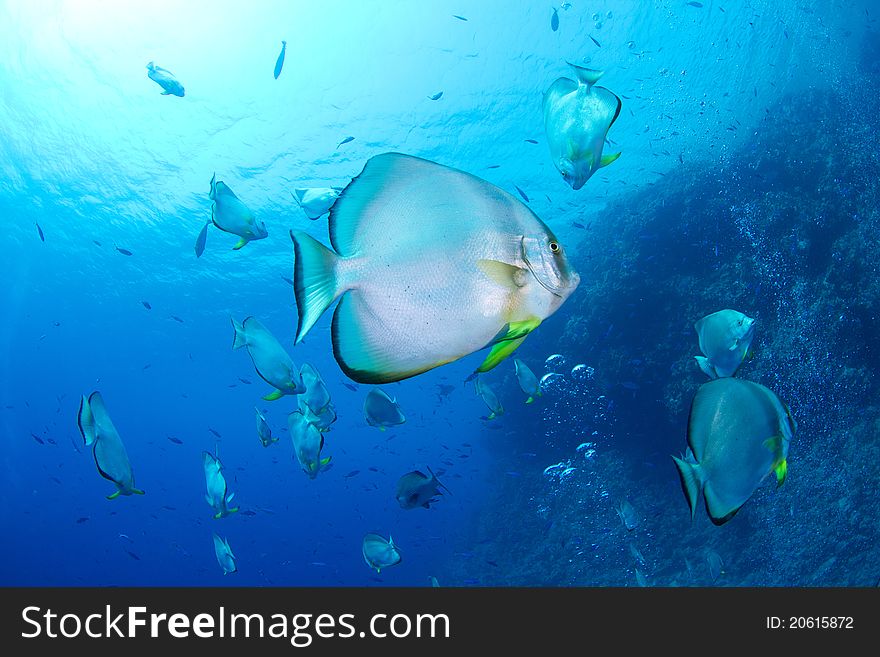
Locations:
147 305
125 252
280 61
201 240
345 141
176 441
436 96
522 193
461 18
554 20
40 231
165 79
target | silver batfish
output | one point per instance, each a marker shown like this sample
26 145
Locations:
264 431
165 79
307 444
110 456
216 494
431 264
224 554
316 201
230 215
738 433
577 117
725 338
382 411
527 380
379 553
270 359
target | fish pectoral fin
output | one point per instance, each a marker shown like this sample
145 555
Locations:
706 367
503 274
137 491
240 244
608 159
113 496
274 396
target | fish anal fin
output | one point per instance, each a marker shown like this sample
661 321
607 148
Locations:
507 341
781 470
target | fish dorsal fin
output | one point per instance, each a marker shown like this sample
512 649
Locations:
375 207
586 76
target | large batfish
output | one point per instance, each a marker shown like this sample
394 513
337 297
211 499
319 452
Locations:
230 215
431 264
738 433
577 116
270 359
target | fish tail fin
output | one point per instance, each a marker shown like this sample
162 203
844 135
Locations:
315 285
113 496
608 159
274 396
239 340
587 76
691 482
706 366
439 483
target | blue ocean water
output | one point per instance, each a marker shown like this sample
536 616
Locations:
748 179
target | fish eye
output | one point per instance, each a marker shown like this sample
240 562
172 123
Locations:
554 247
